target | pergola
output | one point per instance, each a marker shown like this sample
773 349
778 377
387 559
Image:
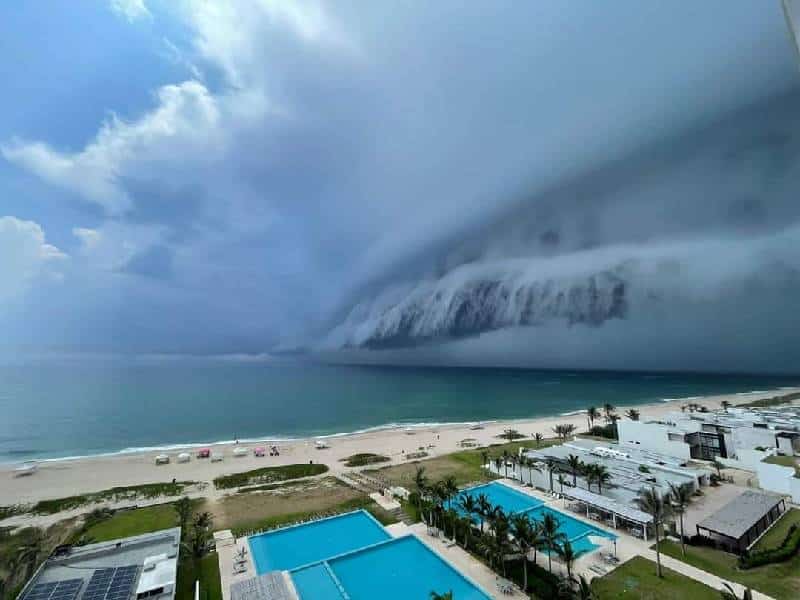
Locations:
617 510
739 523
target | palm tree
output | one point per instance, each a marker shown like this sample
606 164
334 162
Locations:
561 481
537 540
567 555
29 553
575 465
445 596
505 462
632 414
200 533
468 505
484 458
589 474
551 466
680 496
591 414
652 503
538 437
601 476
608 410
551 537
583 589
420 481
725 405
522 530
730 593
183 508
484 508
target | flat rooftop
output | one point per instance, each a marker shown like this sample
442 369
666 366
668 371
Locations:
109 570
740 514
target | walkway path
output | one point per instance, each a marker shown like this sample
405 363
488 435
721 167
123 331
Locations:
700 575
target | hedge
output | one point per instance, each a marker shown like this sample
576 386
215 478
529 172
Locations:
789 547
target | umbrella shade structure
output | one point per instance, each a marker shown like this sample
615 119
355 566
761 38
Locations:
321 444
217 457
239 451
184 457
162 459
204 453
259 451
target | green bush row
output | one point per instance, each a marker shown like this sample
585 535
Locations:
789 547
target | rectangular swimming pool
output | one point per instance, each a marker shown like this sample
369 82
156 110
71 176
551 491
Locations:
298 545
513 501
400 569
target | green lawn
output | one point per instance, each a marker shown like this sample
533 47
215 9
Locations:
130 492
637 579
775 536
125 523
207 571
779 580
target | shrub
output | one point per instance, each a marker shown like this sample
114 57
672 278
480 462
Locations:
605 431
643 469
364 458
789 547
269 475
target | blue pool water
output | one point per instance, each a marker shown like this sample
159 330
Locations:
400 569
513 501
292 547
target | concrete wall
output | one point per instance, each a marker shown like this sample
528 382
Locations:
750 437
653 437
746 459
779 479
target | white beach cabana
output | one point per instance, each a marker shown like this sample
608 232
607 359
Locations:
162 459
321 444
184 457
217 456
240 452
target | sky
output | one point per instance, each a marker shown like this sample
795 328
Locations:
247 177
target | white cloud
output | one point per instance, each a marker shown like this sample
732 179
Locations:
184 122
112 246
131 10
24 256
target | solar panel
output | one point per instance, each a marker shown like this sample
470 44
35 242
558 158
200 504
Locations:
111 583
55 590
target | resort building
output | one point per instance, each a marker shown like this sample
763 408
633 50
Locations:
133 568
739 524
738 437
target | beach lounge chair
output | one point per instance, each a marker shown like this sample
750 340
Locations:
239 569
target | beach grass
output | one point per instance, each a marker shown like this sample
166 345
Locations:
291 502
465 466
130 492
779 580
773 401
10 511
265 475
364 458
637 579
135 521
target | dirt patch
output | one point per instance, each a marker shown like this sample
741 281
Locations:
435 470
241 510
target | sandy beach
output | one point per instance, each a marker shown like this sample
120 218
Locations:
60 478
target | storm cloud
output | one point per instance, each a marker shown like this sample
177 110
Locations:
541 185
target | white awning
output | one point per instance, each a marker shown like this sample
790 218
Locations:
607 504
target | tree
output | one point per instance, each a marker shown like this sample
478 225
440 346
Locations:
601 476
183 508
730 594
445 596
200 534
28 554
725 405
498 463
576 466
561 481
680 496
420 481
538 437
632 414
567 555
484 458
591 414
522 530
589 472
484 508
551 537
505 462
652 503
608 410
583 589
551 467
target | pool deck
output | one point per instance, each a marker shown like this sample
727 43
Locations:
225 556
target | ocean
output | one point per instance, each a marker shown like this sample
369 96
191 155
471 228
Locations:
79 408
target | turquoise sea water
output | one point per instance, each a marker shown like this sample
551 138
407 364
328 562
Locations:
78 407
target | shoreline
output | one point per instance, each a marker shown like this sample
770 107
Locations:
9 461
58 478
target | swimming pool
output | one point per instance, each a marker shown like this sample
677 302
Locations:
298 545
513 501
399 569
